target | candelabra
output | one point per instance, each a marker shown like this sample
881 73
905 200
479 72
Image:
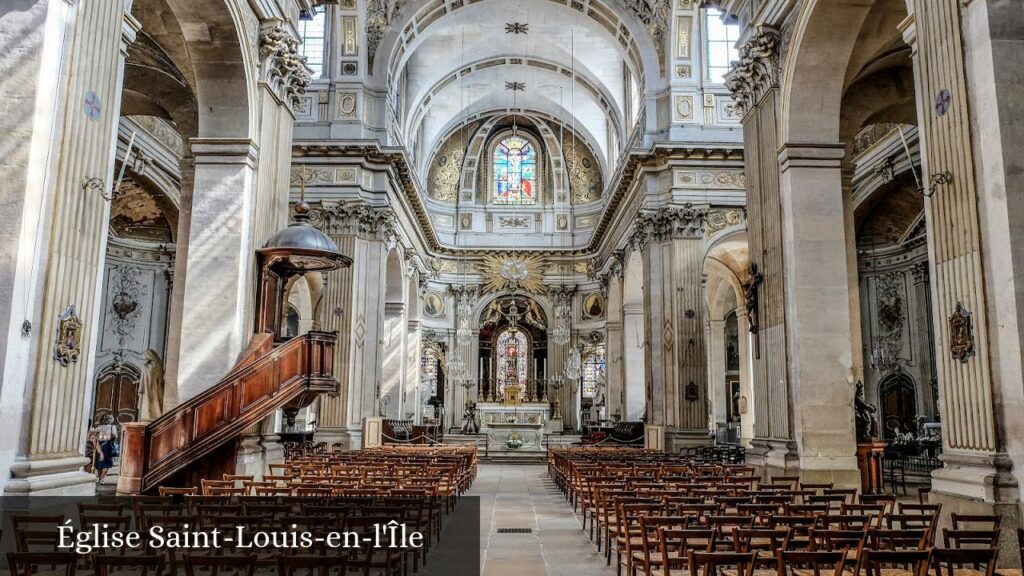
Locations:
556 407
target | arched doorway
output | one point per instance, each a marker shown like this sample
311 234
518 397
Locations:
513 348
898 401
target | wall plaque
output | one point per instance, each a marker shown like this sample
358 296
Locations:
69 337
961 334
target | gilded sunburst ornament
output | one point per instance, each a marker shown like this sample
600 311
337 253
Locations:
513 272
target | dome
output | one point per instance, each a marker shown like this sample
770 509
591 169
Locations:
302 247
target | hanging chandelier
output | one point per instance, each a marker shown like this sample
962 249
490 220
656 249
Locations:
562 332
456 367
463 334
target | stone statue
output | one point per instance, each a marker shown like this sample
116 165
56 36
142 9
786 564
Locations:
151 404
469 425
867 424
599 389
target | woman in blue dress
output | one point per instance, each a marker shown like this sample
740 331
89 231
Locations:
106 434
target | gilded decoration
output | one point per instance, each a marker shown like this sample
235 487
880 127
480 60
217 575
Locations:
379 14
433 305
594 305
349 36
584 172
499 310
69 337
139 215
655 16
446 169
513 272
683 26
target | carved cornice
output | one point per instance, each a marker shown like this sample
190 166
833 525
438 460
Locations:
561 294
667 224
284 70
758 70
392 157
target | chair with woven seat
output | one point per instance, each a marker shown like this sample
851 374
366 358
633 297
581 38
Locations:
964 561
721 563
811 563
893 562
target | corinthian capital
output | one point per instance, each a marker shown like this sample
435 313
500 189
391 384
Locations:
758 70
284 70
667 224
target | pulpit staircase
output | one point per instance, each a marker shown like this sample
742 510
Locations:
196 438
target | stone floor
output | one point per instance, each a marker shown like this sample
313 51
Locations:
522 496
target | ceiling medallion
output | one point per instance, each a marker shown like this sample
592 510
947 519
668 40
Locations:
517 28
513 272
515 86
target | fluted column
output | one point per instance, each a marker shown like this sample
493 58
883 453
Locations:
746 407
57 388
337 317
965 122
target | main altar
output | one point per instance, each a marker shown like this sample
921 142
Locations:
516 420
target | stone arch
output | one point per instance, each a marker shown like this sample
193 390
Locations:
392 342
634 335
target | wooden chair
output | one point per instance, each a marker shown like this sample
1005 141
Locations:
721 563
1020 551
143 565
29 563
893 562
970 538
971 521
325 565
811 563
964 561
177 491
36 522
211 565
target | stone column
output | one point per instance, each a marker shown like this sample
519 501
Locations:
53 391
354 307
966 59
755 88
413 382
337 317
747 418
633 358
717 394
614 349
215 325
818 321
392 345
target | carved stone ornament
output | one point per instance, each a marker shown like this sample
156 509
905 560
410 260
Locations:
961 334
358 219
667 224
284 70
379 14
654 14
69 337
758 70
718 220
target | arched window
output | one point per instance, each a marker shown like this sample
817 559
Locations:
720 45
513 359
430 365
514 170
313 33
593 368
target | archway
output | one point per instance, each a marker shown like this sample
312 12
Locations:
513 348
392 343
634 339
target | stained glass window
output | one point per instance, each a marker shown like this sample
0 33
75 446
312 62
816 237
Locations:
593 370
429 364
313 32
721 45
513 359
515 171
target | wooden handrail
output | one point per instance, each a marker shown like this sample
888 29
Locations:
291 374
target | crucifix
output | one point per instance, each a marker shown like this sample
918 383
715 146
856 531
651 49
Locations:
751 288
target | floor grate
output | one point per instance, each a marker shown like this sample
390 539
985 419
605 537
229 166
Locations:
515 530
